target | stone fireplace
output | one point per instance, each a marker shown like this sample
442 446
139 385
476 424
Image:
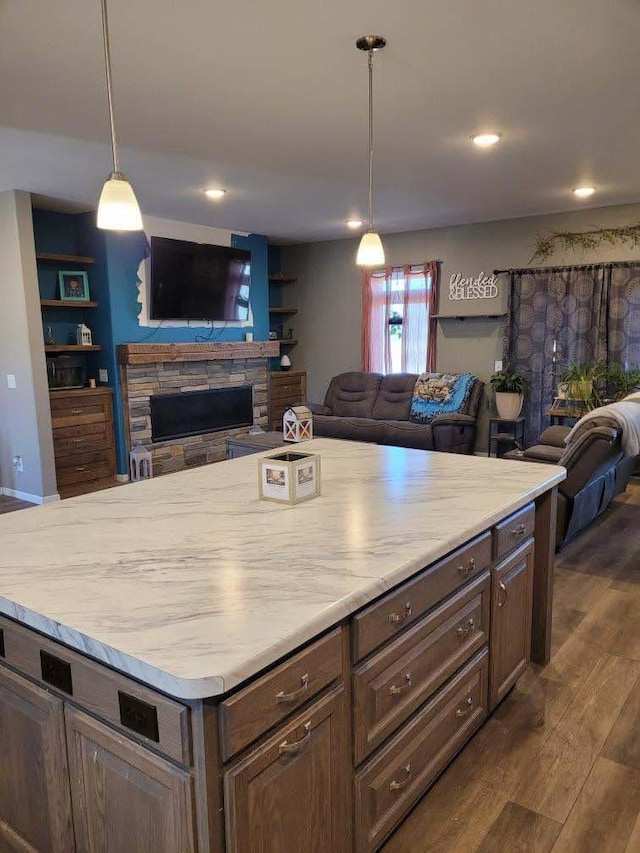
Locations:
165 372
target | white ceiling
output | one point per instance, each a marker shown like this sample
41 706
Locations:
269 101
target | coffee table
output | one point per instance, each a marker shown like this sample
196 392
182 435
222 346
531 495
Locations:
245 444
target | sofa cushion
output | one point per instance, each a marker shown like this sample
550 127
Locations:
555 436
407 434
394 397
349 429
353 394
543 453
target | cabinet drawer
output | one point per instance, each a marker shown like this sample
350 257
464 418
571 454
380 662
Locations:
76 473
154 719
513 531
388 786
393 683
256 708
102 429
64 447
387 617
287 378
80 457
63 419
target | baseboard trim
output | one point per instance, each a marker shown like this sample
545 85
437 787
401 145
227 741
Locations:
25 496
122 478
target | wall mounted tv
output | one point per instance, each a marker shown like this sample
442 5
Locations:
196 281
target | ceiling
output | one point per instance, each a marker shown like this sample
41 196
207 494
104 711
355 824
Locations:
269 101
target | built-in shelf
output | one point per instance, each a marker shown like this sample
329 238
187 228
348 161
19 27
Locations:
63 259
291 342
469 316
71 348
283 310
67 303
281 279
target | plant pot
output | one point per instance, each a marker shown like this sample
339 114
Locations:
580 389
509 405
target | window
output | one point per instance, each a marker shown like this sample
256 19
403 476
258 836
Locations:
398 334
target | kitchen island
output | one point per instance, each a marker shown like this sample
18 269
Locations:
200 670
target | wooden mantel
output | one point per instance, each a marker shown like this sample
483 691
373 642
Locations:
157 353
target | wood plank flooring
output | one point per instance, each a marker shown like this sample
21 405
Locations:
8 504
557 767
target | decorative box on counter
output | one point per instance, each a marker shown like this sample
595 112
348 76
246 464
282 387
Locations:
297 424
289 477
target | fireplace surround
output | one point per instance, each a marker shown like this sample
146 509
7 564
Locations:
151 372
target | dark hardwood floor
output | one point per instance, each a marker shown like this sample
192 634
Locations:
557 767
8 504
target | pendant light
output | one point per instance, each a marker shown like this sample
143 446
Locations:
118 207
370 251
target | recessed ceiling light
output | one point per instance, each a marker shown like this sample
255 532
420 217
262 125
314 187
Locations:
584 192
354 223
486 140
215 193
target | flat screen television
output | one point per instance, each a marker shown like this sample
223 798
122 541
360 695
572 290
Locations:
196 281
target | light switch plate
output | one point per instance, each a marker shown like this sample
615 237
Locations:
11 381
103 375
497 365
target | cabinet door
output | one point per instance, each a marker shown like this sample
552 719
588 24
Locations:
35 804
124 797
292 794
511 603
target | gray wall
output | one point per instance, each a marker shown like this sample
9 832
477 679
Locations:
25 419
329 291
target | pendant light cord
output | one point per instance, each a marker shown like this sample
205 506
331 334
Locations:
370 139
107 63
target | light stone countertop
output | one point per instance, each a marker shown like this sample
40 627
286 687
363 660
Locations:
191 584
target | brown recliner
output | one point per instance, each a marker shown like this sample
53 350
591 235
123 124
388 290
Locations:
362 406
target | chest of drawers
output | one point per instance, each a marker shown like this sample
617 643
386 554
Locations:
83 443
286 388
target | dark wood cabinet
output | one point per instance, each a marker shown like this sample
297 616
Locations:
511 598
125 797
35 803
286 388
292 794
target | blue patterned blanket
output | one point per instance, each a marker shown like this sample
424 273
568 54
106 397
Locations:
439 394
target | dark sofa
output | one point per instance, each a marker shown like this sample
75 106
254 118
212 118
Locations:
370 407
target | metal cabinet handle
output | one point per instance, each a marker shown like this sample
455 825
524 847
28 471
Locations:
296 694
78 440
466 570
397 786
400 617
286 748
465 630
503 589
465 711
76 411
519 530
81 468
408 682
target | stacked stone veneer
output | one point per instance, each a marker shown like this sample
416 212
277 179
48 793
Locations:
142 381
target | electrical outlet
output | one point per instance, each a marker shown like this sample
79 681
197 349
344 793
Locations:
17 464
11 381
103 375
497 366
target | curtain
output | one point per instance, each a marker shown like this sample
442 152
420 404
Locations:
410 291
585 314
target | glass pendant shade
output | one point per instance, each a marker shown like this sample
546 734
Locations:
118 208
370 251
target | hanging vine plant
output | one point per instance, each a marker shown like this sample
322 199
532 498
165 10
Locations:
585 240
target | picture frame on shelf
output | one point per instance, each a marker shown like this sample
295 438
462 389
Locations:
73 286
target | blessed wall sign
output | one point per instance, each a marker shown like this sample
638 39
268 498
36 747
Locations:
480 286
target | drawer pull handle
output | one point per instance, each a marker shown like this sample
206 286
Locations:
398 786
464 712
466 570
408 682
76 411
287 748
78 440
465 630
503 589
293 697
400 617
519 530
81 468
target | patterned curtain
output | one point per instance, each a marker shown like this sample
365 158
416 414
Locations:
556 316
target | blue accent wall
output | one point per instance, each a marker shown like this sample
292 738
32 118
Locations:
113 281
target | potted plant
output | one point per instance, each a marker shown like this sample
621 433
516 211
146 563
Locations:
579 379
620 382
509 386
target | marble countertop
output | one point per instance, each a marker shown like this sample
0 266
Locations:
191 584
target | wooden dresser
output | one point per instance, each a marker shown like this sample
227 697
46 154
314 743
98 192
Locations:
286 388
82 421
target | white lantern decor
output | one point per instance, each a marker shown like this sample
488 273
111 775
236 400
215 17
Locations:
83 335
289 477
140 463
297 424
